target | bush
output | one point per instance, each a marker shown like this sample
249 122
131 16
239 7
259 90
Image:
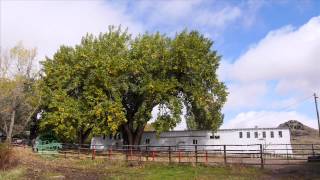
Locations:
6 157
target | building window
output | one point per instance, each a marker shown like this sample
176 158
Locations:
147 141
255 134
271 134
248 134
195 141
264 134
215 137
240 134
280 134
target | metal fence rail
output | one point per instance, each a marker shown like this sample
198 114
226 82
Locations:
255 154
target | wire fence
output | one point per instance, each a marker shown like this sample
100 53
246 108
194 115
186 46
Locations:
255 154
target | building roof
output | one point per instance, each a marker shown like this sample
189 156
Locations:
238 129
248 129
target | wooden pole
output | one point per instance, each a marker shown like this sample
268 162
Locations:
127 149
225 154
312 150
109 152
206 157
79 151
152 155
147 153
140 154
169 154
196 153
317 111
93 154
261 157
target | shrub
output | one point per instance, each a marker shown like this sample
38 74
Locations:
6 157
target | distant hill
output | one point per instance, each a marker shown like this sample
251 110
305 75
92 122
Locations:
300 133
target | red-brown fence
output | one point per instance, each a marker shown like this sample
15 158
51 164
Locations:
257 154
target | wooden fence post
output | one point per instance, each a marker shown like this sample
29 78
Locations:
169 154
79 151
313 153
225 154
140 154
261 157
93 154
131 153
126 149
179 154
147 158
152 155
196 153
206 157
109 153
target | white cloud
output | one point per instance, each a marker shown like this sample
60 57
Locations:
219 18
48 24
290 103
289 56
245 95
165 12
267 119
287 61
250 14
188 14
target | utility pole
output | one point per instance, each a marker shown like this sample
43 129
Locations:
317 111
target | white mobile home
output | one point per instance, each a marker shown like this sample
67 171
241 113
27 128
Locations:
273 140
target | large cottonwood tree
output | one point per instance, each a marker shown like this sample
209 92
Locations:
111 83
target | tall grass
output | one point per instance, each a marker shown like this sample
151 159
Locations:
12 174
7 159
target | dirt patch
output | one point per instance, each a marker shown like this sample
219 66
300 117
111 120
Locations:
62 173
302 171
38 167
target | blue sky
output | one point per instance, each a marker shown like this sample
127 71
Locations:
270 49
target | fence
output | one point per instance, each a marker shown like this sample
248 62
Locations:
256 154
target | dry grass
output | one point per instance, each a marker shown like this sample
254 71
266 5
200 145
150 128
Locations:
35 166
12 174
7 159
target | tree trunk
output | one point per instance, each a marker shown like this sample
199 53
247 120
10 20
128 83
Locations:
127 135
84 136
138 134
5 127
131 136
9 135
34 128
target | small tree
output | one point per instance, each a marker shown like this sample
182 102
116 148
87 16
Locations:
111 83
18 95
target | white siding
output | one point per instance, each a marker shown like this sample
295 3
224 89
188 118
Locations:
227 137
101 143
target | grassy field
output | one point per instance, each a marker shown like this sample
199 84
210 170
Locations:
33 166
83 170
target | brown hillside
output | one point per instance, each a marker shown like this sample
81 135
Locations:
300 133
